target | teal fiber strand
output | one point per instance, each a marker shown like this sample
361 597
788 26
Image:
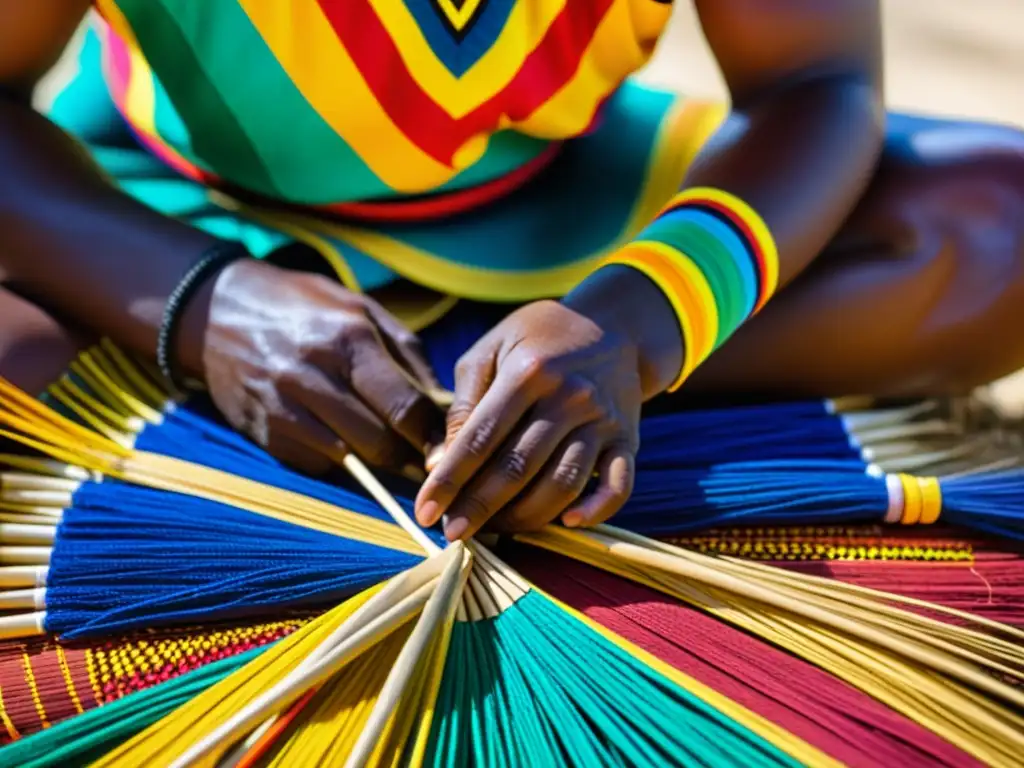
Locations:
543 688
86 737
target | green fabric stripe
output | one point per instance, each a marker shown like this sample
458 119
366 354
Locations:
233 90
82 739
189 83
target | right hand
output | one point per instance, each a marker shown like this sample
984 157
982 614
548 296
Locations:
298 363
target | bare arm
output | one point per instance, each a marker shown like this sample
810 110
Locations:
293 360
554 392
68 238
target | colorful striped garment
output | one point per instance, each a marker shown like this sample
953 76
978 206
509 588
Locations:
335 101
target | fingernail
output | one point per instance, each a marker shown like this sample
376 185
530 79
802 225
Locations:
428 513
572 519
414 473
434 457
455 528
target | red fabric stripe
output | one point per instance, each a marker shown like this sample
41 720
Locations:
544 71
841 721
449 203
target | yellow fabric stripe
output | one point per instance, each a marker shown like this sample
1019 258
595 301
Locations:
524 29
69 683
688 293
931 499
140 96
357 117
684 132
912 500
779 737
612 54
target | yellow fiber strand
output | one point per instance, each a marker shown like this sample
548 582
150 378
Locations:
325 733
101 391
163 742
143 388
26 413
125 423
90 417
901 672
166 473
116 385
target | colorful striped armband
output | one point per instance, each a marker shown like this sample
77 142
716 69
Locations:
715 260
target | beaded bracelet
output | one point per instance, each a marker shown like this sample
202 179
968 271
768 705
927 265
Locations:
715 260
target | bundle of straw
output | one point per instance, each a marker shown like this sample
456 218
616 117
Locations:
952 663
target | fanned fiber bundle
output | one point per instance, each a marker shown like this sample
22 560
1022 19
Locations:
387 677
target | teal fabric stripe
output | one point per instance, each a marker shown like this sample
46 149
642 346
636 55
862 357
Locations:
82 739
575 209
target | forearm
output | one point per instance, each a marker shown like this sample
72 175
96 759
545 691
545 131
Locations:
35 348
801 157
73 242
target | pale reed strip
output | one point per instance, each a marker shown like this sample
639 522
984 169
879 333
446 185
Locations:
854 419
832 585
24 481
434 612
47 467
184 477
875 609
382 496
916 651
988 732
28 535
21 576
286 690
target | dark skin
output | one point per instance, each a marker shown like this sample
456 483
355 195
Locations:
554 392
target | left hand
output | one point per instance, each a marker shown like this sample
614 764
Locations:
545 399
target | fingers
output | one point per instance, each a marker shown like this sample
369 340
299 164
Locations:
560 484
391 395
519 460
295 437
475 433
334 413
404 344
616 472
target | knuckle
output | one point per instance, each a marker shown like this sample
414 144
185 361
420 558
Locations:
569 478
465 365
583 395
458 415
481 437
514 466
539 370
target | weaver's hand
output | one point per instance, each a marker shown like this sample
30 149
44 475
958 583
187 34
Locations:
542 401
298 363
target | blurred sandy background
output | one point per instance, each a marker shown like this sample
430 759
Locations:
963 57
954 57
